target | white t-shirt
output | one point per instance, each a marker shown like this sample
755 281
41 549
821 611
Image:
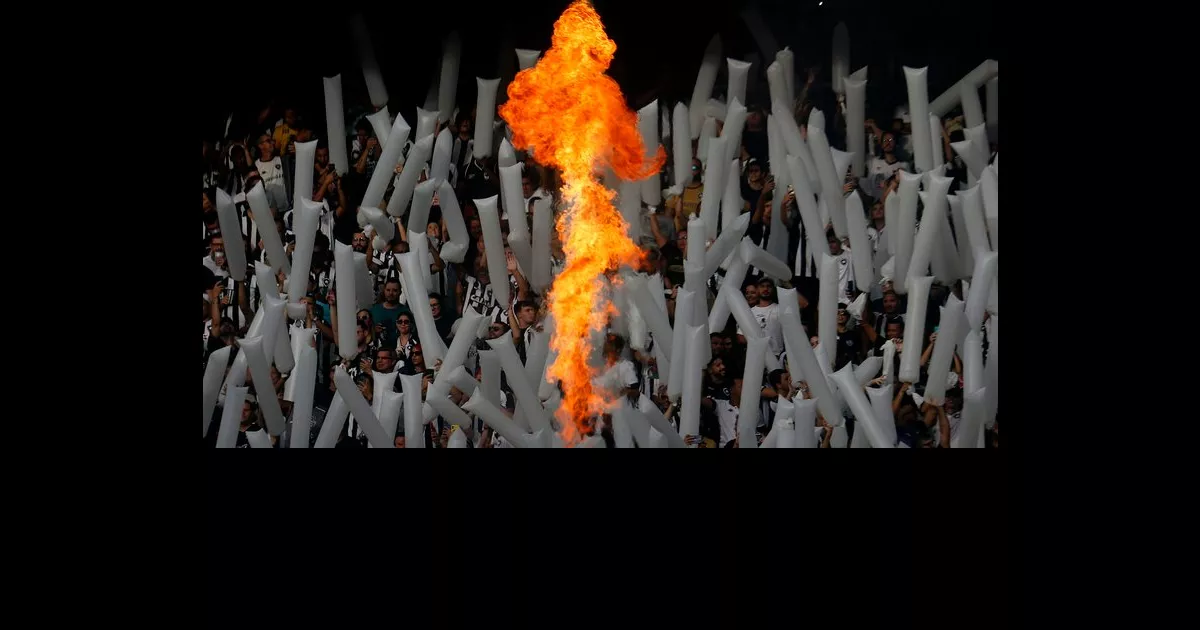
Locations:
727 416
768 322
540 193
273 182
873 236
621 375
881 171
211 265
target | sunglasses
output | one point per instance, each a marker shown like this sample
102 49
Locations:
403 322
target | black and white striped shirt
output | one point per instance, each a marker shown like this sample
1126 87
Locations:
388 265
249 226
481 299
324 222
229 300
809 268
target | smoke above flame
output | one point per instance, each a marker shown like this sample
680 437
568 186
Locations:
574 118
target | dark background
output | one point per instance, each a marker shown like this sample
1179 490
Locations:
659 48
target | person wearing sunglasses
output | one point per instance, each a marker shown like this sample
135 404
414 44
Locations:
406 337
415 364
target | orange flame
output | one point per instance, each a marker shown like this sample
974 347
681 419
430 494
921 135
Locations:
574 117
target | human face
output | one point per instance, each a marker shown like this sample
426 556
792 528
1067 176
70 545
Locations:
266 147
217 252
404 325
360 242
766 291
435 308
399 441
752 295
890 302
322 158
418 359
754 173
888 143
527 316
495 331
383 361
360 334
893 331
835 246
391 292
526 187
842 317
717 370
877 213
785 384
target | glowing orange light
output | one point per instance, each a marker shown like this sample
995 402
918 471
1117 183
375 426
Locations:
574 118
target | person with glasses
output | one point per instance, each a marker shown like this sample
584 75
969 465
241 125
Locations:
443 319
414 363
406 337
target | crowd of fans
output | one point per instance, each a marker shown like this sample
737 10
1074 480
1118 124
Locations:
386 332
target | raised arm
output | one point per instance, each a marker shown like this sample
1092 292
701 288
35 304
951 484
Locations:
899 397
928 350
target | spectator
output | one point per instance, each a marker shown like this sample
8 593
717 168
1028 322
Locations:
531 190
883 169
270 168
462 149
754 136
387 339
841 254
619 374
475 291
443 319
405 338
876 226
766 311
365 150
387 311
234 181
716 406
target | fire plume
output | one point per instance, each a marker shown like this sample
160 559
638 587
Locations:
574 117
